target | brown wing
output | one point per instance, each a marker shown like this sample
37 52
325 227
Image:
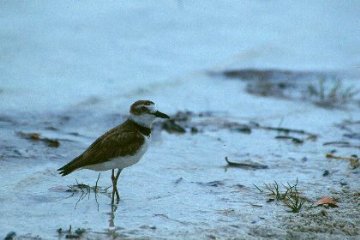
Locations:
112 144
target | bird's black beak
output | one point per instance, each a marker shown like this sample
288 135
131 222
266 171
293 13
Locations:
160 114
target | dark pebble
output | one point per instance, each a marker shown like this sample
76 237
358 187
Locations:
10 236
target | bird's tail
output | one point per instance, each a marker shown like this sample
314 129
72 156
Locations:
69 168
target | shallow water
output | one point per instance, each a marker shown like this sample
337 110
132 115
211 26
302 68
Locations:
75 80
180 188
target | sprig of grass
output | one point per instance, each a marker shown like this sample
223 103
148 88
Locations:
274 190
259 189
331 96
85 190
291 197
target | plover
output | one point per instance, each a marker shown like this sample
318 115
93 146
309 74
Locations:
119 147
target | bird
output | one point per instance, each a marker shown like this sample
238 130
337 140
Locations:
121 146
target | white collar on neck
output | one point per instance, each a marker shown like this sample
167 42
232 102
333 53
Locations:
144 120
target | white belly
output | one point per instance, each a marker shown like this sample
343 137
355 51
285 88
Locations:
121 162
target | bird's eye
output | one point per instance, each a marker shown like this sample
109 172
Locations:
143 108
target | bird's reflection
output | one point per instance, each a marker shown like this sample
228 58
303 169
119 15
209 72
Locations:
102 197
112 217
83 191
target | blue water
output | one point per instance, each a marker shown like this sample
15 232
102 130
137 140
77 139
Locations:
56 54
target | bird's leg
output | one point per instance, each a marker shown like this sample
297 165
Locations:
116 180
115 191
96 184
96 191
113 185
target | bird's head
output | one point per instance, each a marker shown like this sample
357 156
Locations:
144 112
